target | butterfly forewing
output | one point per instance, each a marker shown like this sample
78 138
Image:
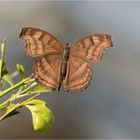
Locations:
47 71
39 42
79 74
92 47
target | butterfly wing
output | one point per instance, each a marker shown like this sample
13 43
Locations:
39 42
92 47
47 71
78 76
79 72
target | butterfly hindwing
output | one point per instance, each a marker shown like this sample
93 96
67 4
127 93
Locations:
92 48
79 74
47 71
39 42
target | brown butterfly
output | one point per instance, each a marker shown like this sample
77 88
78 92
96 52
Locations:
68 65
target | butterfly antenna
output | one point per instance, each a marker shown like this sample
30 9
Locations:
74 35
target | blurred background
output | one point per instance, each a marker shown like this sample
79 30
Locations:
110 107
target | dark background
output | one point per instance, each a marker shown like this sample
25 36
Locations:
110 107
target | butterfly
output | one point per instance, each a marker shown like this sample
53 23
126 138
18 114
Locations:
70 65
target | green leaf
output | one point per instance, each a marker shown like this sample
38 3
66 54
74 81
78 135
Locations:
21 70
12 107
12 113
2 107
11 110
3 46
39 89
41 115
8 79
0 69
3 69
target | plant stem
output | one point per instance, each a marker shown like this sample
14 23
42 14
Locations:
23 82
23 103
19 94
18 105
28 88
3 46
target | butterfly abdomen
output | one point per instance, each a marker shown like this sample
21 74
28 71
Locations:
66 54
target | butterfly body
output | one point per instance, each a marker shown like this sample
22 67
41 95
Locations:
66 52
67 66
65 57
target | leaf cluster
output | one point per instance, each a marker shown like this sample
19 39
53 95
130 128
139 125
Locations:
42 117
